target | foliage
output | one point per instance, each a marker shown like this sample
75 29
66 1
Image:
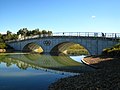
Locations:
77 49
2 45
9 32
24 32
76 46
77 52
113 51
49 33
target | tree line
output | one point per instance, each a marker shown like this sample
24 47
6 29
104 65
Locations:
26 32
23 32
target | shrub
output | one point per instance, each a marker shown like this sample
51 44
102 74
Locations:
2 46
112 52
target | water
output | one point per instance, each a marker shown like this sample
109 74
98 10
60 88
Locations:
78 58
35 71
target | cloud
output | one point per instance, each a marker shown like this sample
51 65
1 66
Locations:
93 17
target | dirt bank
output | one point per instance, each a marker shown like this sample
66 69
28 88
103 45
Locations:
107 77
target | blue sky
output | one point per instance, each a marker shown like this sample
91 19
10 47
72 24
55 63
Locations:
60 15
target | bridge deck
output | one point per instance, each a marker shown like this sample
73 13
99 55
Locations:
90 35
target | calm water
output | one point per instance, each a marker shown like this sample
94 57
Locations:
35 71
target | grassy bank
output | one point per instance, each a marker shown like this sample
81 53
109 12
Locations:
77 49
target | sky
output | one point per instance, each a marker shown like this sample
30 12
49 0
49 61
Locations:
60 15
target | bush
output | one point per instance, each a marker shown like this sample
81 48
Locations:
112 52
2 46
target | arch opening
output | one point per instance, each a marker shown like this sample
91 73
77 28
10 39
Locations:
69 48
33 47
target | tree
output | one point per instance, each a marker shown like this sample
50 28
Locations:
14 36
0 35
35 32
23 32
44 32
1 40
19 32
49 33
29 33
9 32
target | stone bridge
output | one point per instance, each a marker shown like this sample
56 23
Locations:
59 42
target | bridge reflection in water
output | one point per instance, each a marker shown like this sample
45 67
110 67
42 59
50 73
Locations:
35 71
37 61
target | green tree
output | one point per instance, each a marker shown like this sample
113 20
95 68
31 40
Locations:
23 32
14 36
8 36
0 35
44 32
29 33
1 40
35 32
49 33
9 32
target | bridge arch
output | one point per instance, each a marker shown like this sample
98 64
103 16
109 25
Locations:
63 46
32 47
94 45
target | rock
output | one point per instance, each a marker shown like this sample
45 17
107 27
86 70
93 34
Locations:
2 50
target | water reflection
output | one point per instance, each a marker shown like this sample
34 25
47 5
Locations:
37 61
35 71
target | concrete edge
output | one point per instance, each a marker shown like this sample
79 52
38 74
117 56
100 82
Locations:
95 67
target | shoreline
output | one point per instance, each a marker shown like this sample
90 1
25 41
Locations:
84 62
106 77
10 53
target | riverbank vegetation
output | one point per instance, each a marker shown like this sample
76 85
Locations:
77 49
2 45
112 52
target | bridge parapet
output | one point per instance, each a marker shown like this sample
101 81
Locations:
88 34
72 34
57 42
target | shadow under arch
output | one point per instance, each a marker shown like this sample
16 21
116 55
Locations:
32 47
62 48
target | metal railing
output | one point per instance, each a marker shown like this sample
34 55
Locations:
77 34
88 34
